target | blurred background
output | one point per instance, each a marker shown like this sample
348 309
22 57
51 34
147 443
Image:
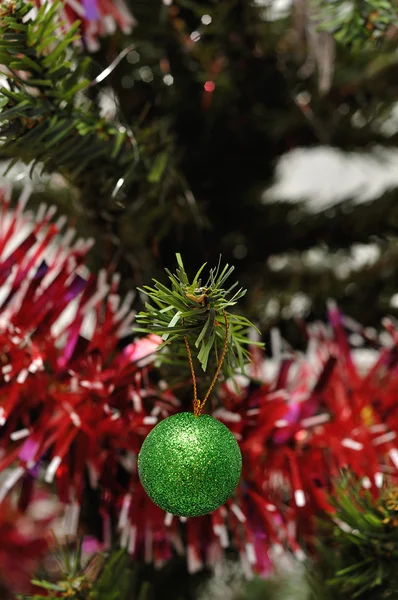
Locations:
264 131
259 139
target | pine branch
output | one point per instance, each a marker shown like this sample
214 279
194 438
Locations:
101 577
197 311
357 24
360 551
43 118
48 119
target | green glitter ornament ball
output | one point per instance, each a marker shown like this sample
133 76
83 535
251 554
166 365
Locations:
189 465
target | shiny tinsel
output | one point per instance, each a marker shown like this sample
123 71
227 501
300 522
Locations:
97 17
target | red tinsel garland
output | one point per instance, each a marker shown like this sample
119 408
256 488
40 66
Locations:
76 405
97 17
315 415
71 400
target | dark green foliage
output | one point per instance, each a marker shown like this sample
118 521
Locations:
282 586
44 120
197 184
359 22
116 580
115 576
102 577
50 116
227 152
198 310
359 547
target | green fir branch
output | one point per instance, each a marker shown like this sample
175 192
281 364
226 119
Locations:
110 576
43 119
357 23
49 119
197 310
359 546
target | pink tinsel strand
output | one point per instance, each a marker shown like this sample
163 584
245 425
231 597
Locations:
317 414
74 402
299 427
73 398
98 18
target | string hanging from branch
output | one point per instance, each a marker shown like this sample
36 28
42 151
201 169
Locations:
197 404
190 464
197 312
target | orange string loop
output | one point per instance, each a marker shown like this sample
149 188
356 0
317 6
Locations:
197 404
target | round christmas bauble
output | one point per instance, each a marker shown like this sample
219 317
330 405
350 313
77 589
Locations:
189 465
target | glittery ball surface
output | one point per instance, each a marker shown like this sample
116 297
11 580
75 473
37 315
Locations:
189 465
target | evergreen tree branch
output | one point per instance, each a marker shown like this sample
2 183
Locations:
198 312
101 577
43 118
357 24
359 549
47 118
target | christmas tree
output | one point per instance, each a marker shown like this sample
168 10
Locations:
146 130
